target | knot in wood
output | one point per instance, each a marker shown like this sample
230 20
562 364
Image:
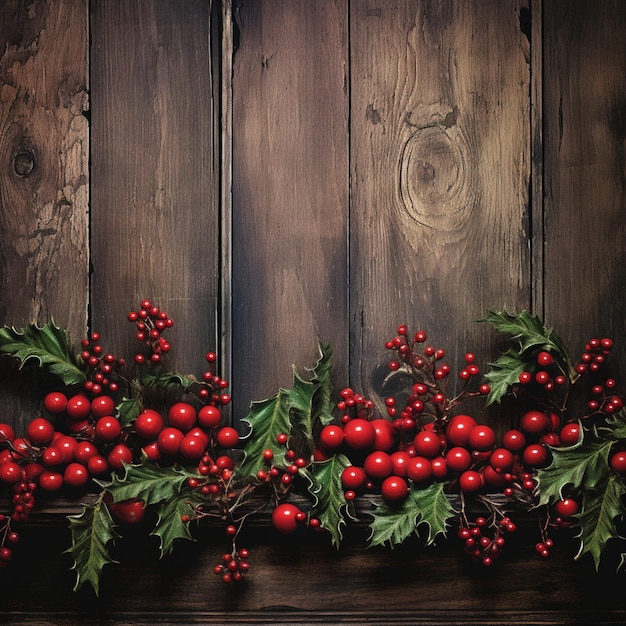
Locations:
435 183
24 163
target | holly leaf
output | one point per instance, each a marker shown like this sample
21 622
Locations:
530 335
322 373
155 378
289 410
503 374
170 525
330 504
128 410
148 482
435 509
91 532
528 330
597 517
584 465
48 345
394 524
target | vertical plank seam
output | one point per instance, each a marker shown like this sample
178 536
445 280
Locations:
225 105
537 204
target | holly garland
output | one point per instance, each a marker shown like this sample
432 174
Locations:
151 446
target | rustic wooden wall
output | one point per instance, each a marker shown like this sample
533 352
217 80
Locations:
392 161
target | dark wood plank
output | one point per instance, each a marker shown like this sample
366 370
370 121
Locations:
302 580
154 195
585 127
44 162
44 173
440 174
290 192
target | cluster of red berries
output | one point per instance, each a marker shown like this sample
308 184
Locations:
233 566
151 322
102 366
485 537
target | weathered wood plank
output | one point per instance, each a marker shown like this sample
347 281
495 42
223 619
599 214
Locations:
290 191
44 151
44 174
302 580
440 173
585 129
155 214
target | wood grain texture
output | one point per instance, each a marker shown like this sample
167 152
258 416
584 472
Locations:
440 169
44 177
302 580
155 214
585 172
290 192
44 152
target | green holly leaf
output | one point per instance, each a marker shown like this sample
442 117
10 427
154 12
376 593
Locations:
597 517
286 412
584 466
128 410
153 377
530 335
330 504
91 532
48 345
323 400
503 374
394 524
170 526
148 482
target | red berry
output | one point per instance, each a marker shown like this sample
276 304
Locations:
458 429
618 462
470 481
482 438
378 465
285 518
566 508
182 415
76 475
78 407
102 405
514 440
359 434
121 454
40 431
427 443
331 436
394 489
419 469
227 437
353 477
458 459
385 435
209 416
535 422
55 402
108 428
149 424
536 455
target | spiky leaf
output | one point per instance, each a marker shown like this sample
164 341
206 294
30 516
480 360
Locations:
530 335
48 346
503 374
289 410
156 378
91 532
394 524
597 517
322 373
330 505
170 526
148 482
128 410
584 466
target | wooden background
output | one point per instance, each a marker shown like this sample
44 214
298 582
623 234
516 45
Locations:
311 169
